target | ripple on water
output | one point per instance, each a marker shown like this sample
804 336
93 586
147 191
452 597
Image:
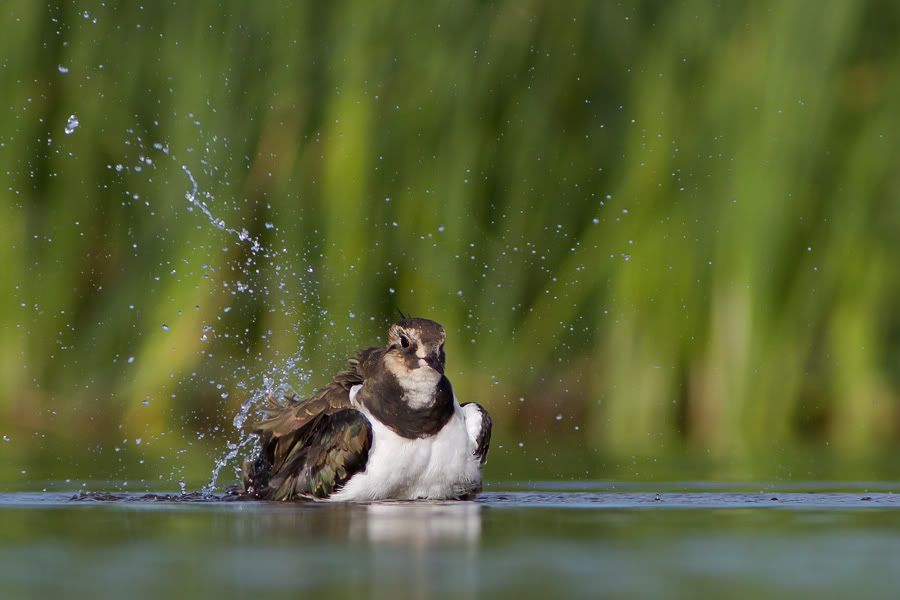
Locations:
565 499
528 540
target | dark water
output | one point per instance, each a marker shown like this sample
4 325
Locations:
545 540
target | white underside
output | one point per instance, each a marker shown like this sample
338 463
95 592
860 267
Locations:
438 467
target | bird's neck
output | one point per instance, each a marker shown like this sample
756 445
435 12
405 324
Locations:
414 408
420 388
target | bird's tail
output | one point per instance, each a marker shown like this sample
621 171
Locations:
257 470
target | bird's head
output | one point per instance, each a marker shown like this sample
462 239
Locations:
417 343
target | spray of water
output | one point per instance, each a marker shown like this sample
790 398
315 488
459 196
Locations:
263 380
193 196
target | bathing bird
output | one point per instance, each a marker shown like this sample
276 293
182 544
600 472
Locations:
387 428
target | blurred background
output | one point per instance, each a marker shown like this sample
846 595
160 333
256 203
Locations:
663 237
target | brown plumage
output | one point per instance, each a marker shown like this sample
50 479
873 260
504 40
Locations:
301 444
325 455
285 418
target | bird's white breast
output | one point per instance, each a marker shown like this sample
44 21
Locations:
436 467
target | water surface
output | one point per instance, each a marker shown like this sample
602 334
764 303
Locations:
580 539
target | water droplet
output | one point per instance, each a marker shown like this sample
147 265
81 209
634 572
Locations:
165 328
62 69
626 257
6 438
559 417
130 359
146 402
71 125
137 441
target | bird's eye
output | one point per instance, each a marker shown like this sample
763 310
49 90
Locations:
404 341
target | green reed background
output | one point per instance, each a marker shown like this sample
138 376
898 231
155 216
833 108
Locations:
664 237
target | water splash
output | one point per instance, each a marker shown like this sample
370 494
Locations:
193 196
71 125
258 377
275 384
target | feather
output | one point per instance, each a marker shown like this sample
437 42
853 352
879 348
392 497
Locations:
483 439
290 425
334 449
289 414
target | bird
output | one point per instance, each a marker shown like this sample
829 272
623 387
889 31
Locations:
387 428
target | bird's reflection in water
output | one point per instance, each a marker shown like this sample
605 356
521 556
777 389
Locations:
414 524
402 549
413 546
418 524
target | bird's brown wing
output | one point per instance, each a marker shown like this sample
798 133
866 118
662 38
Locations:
288 415
333 449
285 428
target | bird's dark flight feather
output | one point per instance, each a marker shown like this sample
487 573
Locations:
293 425
286 417
324 456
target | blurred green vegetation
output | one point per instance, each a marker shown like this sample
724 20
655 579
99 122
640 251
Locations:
660 234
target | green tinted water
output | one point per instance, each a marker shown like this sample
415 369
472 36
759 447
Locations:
591 541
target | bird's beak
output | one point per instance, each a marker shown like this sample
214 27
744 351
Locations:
434 361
